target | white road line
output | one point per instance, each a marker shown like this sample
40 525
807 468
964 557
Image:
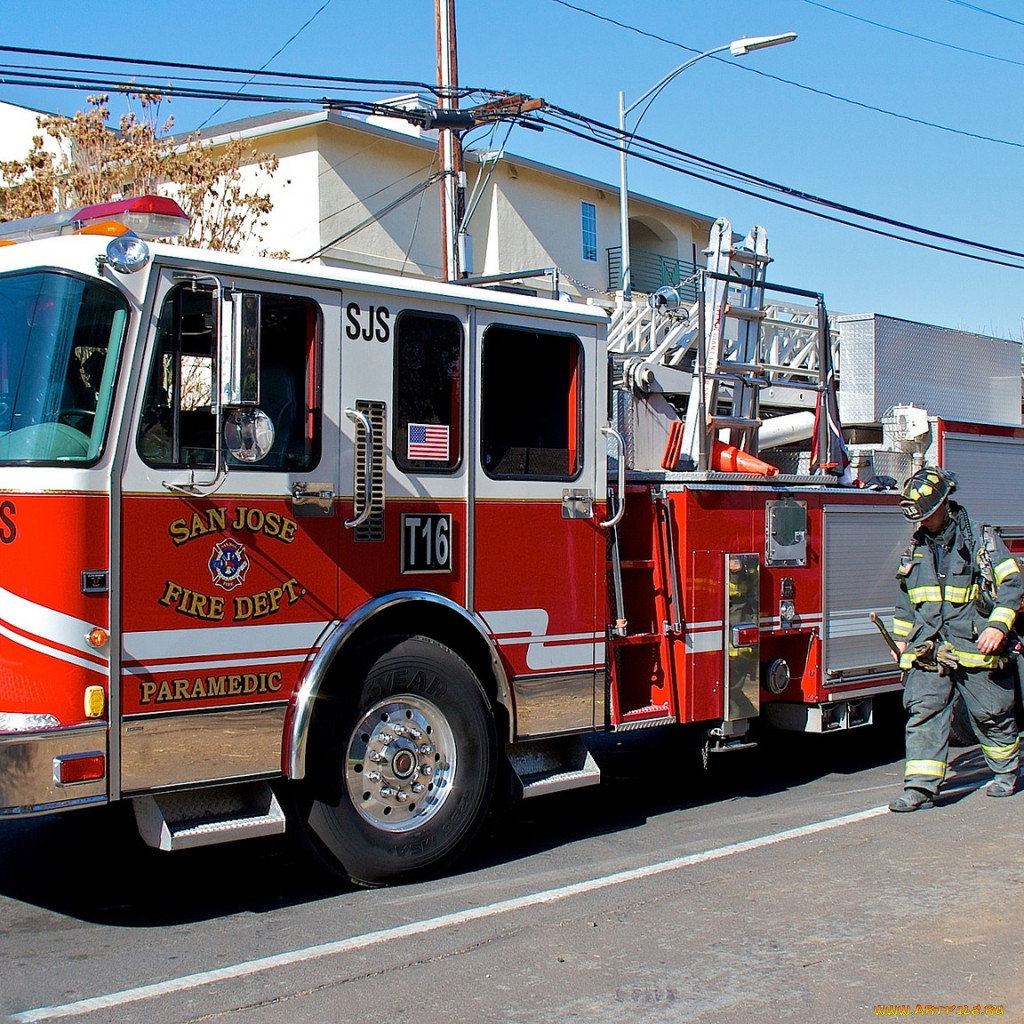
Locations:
406 931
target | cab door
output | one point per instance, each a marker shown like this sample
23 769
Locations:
538 499
228 560
403 374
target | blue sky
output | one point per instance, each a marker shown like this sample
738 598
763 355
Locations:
913 62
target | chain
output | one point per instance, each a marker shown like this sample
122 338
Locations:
580 284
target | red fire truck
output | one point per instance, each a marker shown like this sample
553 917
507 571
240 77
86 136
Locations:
374 544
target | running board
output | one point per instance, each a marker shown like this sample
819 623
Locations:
551 766
203 817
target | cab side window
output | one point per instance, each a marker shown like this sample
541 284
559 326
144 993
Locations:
179 428
530 404
428 392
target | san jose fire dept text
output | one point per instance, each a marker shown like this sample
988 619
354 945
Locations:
212 606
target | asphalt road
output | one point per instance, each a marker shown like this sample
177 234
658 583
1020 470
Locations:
776 887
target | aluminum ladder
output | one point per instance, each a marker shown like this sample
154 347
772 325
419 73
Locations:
730 308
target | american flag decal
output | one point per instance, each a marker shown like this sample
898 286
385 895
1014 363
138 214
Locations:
428 441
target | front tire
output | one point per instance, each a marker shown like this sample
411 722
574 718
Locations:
403 764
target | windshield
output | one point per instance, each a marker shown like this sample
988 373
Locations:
59 341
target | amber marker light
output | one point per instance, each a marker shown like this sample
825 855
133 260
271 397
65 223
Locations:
103 227
95 701
98 637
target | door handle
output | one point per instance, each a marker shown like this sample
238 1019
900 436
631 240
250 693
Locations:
309 499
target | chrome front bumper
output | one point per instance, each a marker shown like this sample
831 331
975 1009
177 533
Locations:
28 783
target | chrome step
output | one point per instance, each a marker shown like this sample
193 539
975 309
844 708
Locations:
551 766
203 817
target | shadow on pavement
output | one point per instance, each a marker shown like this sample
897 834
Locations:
968 773
92 865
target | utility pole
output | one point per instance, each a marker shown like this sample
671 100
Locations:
453 180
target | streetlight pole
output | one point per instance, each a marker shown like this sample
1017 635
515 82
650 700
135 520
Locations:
738 48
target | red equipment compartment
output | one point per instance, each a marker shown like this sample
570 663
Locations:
678 553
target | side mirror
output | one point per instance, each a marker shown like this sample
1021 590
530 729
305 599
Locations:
248 434
240 349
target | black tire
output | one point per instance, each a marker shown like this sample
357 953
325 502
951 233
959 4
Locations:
403 764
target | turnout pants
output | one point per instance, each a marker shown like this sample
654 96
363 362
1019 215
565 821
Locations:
928 698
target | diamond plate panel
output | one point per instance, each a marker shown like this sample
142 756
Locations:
856 370
957 375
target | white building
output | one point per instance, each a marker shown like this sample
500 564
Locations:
362 193
17 127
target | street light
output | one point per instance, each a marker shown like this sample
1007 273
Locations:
738 47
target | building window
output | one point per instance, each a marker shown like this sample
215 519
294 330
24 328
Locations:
588 220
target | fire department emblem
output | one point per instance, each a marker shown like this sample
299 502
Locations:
228 564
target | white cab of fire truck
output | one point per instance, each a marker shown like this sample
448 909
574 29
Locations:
264 522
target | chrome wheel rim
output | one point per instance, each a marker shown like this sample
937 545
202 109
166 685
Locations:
400 763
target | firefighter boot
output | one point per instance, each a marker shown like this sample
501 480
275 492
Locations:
1002 785
912 800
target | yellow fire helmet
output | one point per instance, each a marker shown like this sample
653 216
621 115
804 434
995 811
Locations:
925 491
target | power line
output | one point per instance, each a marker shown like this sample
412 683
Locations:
200 89
295 35
603 134
43 77
290 76
982 10
353 84
879 110
433 179
136 61
747 69
182 92
661 155
915 35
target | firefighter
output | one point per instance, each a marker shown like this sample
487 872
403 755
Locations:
959 593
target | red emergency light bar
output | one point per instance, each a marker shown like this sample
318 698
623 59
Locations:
147 216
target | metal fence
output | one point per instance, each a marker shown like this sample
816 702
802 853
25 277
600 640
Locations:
650 271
